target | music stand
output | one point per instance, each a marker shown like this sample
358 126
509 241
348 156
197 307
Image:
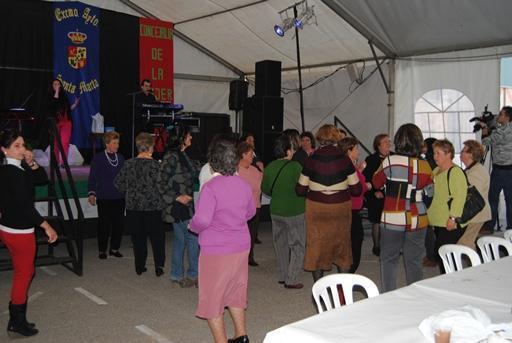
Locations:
16 114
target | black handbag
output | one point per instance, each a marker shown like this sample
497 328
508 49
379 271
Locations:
473 205
179 211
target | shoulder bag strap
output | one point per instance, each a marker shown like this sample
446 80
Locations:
277 176
448 181
389 165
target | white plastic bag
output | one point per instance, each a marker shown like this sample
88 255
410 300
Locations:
97 123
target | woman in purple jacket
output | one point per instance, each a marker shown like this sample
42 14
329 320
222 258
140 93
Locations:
222 211
104 168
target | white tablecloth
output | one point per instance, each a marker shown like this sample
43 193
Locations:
395 316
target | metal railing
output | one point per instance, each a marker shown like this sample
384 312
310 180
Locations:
337 122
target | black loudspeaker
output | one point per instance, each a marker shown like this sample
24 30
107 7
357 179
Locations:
269 139
263 117
268 78
210 124
237 94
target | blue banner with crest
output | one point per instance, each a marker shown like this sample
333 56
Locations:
76 63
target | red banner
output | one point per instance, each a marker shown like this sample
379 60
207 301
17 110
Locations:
156 57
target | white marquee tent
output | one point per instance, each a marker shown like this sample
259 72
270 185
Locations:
423 46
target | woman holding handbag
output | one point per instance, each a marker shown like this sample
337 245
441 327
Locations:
176 185
478 176
287 213
450 193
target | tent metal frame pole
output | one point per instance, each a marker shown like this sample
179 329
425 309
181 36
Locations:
391 98
380 69
328 64
301 95
185 38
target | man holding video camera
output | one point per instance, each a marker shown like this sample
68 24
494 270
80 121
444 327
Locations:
499 139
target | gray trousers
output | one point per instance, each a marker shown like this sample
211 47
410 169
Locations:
412 246
289 236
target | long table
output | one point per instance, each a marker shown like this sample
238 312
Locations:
395 316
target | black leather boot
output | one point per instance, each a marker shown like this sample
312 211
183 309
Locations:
18 320
31 325
241 339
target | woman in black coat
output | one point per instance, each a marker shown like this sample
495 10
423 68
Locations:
18 221
375 197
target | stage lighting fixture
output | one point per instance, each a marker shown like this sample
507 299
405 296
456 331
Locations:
305 16
298 15
286 24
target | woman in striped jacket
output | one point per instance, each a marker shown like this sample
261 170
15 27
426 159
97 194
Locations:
404 217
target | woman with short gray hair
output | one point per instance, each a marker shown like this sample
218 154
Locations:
137 179
225 205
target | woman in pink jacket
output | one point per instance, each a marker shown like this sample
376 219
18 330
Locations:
225 205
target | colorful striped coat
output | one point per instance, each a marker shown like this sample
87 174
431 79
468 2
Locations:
404 179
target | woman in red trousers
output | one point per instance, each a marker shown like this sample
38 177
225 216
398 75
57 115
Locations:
18 222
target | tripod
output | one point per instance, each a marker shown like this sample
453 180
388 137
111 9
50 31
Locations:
488 152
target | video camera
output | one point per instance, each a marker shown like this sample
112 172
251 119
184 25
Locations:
487 117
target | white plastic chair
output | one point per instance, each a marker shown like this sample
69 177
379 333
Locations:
508 235
347 281
490 247
451 254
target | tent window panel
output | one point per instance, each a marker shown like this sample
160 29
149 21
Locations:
461 104
455 139
422 106
434 98
436 122
451 122
465 124
465 137
437 135
457 160
421 121
451 98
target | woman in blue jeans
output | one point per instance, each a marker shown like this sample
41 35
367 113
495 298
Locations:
176 184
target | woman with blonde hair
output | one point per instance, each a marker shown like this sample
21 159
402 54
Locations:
478 176
328 180
450 193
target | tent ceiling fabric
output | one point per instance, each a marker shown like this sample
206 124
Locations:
401 27
414 27
244 36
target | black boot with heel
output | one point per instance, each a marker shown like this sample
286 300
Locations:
18 320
